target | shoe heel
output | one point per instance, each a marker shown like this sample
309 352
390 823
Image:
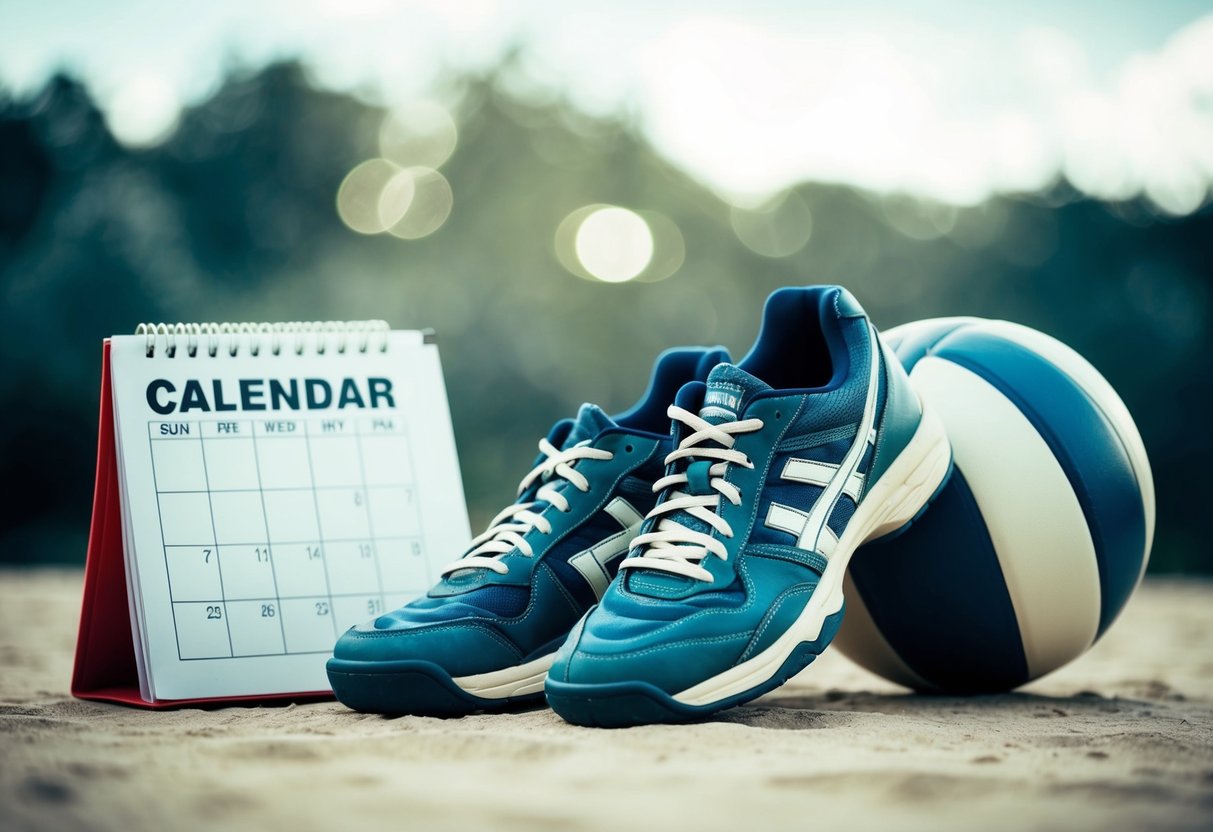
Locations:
912 481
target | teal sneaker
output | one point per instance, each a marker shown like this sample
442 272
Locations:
483 638
784 464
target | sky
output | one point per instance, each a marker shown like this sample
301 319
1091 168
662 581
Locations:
948 101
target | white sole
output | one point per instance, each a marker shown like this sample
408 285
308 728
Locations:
893 501
511 681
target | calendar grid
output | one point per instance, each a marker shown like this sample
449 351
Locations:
220 600
370 526
256 490
218 556
420 515
309 539
261 655
286 529
164 546
269 545
323 546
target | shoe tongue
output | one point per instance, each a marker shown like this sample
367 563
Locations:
730 389
591 420
725 396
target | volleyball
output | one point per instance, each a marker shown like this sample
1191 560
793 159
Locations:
1034 545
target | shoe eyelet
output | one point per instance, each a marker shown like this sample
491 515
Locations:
778 414
627 449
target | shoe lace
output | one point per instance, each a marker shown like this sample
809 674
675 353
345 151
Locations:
508 529
672 546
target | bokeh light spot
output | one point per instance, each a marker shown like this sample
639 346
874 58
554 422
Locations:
614 244
418 134
144 111
919 219
395 197
359 197
780 228
669 248
566 240
426 197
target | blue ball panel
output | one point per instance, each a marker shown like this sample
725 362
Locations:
1085 444
938 595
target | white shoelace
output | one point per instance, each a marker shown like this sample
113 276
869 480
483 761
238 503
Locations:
672 547
507 530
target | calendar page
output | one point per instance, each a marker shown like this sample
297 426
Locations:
276 496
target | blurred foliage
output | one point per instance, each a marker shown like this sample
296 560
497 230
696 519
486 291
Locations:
232 218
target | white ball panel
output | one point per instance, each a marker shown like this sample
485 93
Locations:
1033 516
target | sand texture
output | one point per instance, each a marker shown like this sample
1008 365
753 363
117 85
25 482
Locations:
1121 739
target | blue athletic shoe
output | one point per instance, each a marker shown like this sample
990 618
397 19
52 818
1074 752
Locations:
784 465
483 638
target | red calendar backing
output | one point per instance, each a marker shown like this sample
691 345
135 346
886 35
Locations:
105 667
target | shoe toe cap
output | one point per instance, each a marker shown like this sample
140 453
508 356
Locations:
594 656
461 648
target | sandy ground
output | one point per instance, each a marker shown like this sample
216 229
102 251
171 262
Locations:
1121 739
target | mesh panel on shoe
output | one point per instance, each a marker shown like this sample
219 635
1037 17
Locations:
506 601
844 509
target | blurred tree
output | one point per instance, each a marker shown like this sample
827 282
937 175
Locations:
233 218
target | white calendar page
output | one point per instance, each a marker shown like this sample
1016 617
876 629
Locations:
272 501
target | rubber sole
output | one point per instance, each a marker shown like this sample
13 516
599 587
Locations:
896 533
626 704
413 687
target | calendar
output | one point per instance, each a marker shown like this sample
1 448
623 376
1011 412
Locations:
276 484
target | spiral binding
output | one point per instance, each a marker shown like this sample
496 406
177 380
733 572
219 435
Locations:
296 336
